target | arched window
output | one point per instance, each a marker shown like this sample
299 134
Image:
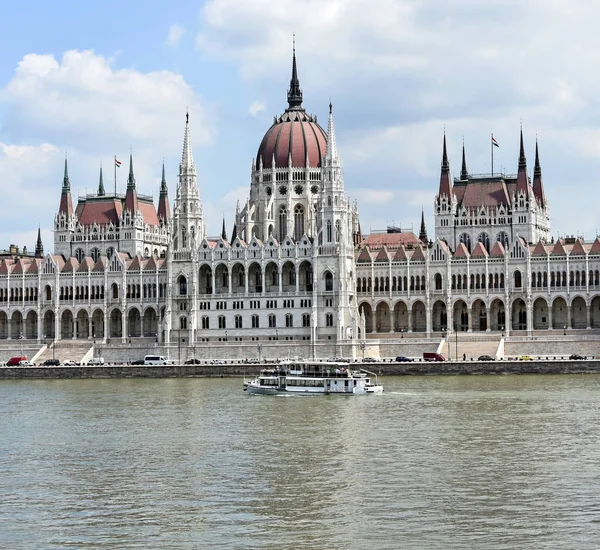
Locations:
337 231
484 239
95 254
328 235
272 320
465 238
503 238
298 222
289 320
182 282
438 281
183 238
328 281
282 223
79 255
115 291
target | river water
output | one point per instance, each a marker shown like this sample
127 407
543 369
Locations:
498 462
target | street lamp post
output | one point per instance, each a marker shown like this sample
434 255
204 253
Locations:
564 330
179 346
259 352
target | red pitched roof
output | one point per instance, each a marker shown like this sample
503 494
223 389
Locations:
595 247
418 255
480 251
364 255
400 255
497 250
540 249
382 256
135 265
391 241
559 249
577 249
461 251
101 264
71 265
86 265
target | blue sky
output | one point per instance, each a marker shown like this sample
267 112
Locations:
94 79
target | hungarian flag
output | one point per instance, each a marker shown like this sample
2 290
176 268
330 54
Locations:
494 142
117 163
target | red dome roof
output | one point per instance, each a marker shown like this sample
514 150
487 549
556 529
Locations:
295 132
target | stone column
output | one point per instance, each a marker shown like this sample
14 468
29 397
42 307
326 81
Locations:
469 319
569 317
589 317
488 326
410 320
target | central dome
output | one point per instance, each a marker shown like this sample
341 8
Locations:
295 134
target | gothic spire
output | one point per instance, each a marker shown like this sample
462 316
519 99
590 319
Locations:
331 157
187 160
522 177
223 231
39 247
66 183
131 178
164 210
66 202
445 185
463 172
538 185
294 93
423 232
234 233
101 191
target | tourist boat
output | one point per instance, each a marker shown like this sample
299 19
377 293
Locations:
313 378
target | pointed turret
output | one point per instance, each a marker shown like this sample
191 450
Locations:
234 233
101 191
423 232
66 202
294 93
187 159
39 247
131 202
464 175
538 185
331 156
223 231
522 178
164 212
445 185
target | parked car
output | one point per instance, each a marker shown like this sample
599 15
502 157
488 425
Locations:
432 356
372 360
15 361
403 359
26 364
138 362
485 358
526 358
51 363
575 356
96 361
69 363
193 362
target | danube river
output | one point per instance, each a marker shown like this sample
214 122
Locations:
481 462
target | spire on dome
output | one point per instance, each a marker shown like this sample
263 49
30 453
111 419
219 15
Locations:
423 232
538 185
187 160
101 191
131 178
331 156
294 93
463 172
522 159
39 247
445 185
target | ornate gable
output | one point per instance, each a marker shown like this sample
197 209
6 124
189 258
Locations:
364 256
577 249
479 251
418 255
559 249
595 247
540 249
498 250
382 255
462 252
400 255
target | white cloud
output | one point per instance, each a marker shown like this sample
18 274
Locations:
373 196
176 32
85 98
256 107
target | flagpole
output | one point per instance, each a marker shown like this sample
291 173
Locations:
492 146
115 169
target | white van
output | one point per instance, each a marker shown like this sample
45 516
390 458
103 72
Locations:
96 361
154 360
